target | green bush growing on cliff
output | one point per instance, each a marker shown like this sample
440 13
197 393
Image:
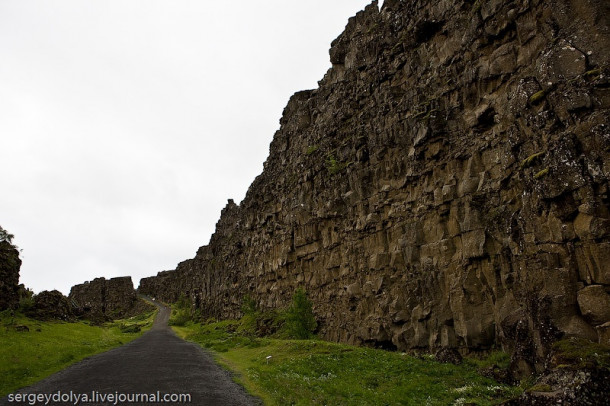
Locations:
299 320
311 149
333 165
248 306
181 312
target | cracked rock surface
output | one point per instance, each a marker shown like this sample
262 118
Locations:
445 186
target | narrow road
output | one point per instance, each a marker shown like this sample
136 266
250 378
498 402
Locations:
158 362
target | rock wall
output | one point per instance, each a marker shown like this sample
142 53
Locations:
445 186
9 276
114 297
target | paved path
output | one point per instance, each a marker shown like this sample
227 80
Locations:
157 361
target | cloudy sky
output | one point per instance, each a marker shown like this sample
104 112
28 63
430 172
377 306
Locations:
126 125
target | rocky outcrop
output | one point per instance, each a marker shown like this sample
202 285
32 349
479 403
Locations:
446 186
165 286
48 305
114 297
9 275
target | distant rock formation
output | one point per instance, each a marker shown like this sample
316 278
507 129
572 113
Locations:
114 298
446 186
49 305
9 275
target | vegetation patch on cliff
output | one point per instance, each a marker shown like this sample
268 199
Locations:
577 353
31 350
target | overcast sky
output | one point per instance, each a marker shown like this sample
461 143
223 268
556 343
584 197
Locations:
126 125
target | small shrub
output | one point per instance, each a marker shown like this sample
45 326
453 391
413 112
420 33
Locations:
333 165
299 320
181 312
311 149
248 305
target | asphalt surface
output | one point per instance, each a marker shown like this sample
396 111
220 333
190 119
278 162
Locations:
158 362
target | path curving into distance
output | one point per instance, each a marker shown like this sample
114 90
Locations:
159 361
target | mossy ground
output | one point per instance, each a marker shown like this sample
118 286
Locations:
315 372
50 346
578 353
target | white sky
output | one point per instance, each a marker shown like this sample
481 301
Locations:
126 125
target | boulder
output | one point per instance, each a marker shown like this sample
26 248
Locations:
594 303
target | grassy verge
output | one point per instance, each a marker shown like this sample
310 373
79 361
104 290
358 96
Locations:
312 372
31 350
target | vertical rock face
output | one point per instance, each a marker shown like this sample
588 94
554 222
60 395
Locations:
9 276
445 186
165 286
113 297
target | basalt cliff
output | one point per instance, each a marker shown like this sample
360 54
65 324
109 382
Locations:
446 185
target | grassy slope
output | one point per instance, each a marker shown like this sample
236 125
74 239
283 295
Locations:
311 372
48 347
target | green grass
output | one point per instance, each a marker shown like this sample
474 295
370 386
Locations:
311 149
50 346
315 372
531 160
542 173
496 359
334 166
537 97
